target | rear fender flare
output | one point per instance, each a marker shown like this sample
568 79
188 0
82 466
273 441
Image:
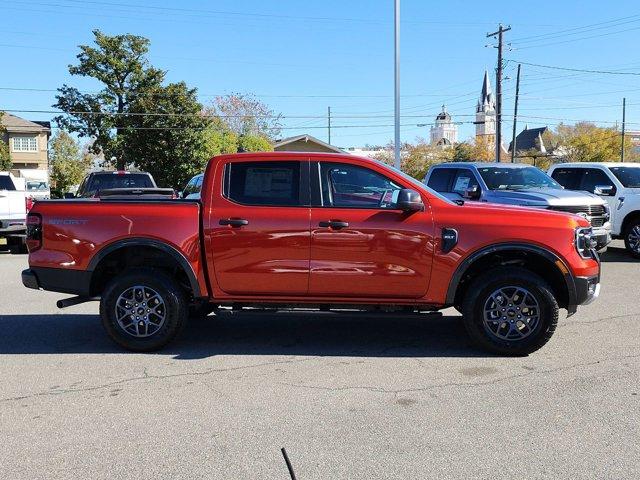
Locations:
147 242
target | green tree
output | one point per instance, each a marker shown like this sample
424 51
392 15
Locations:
5 156
586 142
175 145
219 139
254 143
416 159
119 64
68 165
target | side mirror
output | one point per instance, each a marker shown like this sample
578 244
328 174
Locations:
409 201
69 195
472 193
603 190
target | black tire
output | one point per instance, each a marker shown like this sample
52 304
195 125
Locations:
628 232
478 295
174 309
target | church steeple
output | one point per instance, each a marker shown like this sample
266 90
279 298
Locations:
486 113
486 102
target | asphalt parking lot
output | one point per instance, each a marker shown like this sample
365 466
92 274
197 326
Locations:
356 398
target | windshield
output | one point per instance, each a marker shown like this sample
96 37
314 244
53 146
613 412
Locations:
628 176
504 178
114 180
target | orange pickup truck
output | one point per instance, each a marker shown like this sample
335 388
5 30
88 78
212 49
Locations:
314 231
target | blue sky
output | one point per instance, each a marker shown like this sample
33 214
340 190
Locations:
302 56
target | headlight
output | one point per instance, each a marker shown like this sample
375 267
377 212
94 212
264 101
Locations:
585 243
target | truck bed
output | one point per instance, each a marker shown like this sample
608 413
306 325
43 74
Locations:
76 233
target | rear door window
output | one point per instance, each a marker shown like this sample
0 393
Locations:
569 178
263 183
440 179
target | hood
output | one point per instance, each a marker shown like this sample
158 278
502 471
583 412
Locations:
543 197
517 214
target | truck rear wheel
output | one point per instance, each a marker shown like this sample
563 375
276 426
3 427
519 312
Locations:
632 238
143 310
510 311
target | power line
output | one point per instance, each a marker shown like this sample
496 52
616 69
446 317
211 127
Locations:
583 70
575 39
578 30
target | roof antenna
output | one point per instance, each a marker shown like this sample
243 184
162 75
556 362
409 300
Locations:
286 459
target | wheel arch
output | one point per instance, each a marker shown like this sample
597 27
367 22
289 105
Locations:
146 248
629 217
537 259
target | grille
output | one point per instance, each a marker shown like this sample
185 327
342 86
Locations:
597 221
590 210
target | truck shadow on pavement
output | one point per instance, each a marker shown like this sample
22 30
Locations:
254 334
617 255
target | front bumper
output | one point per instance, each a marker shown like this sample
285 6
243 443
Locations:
587 289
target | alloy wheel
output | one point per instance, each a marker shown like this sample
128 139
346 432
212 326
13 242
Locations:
140 311
511 313
633 238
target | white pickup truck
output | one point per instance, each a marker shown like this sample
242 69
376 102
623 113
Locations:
619 184
14 204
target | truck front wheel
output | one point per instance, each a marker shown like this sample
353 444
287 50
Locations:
143 309
510 311
632 238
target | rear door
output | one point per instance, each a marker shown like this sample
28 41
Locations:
361 245
259 225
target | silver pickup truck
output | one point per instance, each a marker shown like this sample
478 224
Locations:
518 184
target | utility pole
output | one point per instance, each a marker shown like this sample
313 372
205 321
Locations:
499 33
624 108
329 124
396 56
515 117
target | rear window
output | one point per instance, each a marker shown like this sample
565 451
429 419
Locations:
114 180
440 179
263 183
6 183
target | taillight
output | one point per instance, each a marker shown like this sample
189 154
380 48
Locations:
34 232
28 203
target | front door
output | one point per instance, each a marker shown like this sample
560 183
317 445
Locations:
260 235
361 245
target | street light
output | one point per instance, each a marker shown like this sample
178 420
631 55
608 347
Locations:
397 84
